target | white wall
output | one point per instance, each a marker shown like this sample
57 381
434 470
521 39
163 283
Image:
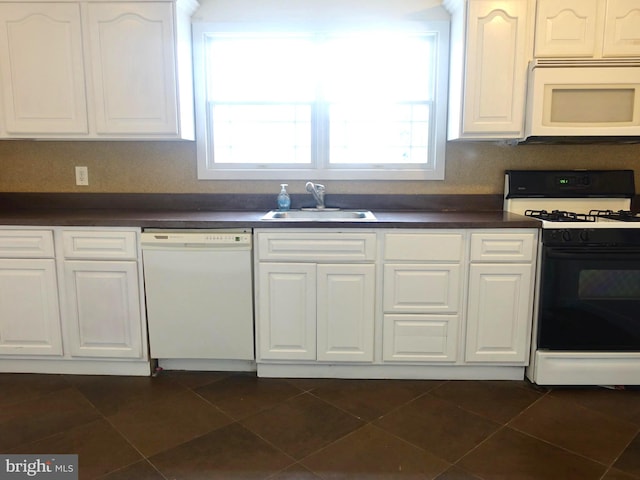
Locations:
319 12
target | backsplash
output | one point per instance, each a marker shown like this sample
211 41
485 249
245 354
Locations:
170 167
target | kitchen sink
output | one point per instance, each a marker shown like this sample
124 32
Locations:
318 215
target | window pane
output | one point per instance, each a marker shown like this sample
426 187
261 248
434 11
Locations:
261 68
391 134
379 67
321 102
261 134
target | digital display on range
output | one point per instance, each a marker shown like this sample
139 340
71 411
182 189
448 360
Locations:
573 181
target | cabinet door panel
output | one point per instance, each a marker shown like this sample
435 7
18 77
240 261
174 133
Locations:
421 288
287 311
420 338
496 68
104 309
566 28
346 312
42 68
622 29
29 313
133 58
499 313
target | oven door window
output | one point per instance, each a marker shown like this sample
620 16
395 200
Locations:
609 284
590 300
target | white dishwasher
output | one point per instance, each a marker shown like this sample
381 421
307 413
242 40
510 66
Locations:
198 287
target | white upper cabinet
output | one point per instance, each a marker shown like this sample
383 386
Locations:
132 68
587 28
490 50
566 28
101 70
622 29
42 69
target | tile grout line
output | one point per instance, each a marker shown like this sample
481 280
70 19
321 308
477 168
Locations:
613 417
560 447
549 393
502 427
110 423
101 417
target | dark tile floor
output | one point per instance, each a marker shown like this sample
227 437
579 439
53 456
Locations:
188 425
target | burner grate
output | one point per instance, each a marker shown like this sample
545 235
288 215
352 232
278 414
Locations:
620 215
560 216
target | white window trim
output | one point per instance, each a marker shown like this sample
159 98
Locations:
387 172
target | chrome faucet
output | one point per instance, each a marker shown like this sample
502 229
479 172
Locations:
317 191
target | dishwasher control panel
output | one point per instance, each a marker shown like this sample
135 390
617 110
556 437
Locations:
196 238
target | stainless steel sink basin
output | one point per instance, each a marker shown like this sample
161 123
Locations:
317 215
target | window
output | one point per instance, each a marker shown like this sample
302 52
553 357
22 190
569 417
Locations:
321 105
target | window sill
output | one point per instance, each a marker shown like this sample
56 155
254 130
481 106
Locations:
317 174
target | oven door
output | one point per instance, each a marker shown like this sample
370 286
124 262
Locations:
590 299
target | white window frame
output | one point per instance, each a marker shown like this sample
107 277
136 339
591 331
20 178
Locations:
434 170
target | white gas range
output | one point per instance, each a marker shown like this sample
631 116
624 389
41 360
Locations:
587 315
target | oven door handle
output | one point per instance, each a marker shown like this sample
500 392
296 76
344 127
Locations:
594 253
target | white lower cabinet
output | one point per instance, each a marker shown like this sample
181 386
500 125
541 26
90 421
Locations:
316 312
401 303
321 309
103 303
345 312
287 313
29 313
420 338
422 287
500 299
499 313
29 308
75 306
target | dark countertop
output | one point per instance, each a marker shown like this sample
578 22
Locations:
242 219
215 211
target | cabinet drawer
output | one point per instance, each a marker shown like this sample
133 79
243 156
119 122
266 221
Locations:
420 338
421 288
100 244
317 247
427 247
503 247
26 244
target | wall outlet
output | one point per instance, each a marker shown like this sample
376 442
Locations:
82 176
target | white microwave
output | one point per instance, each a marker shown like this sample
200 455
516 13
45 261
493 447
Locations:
583 98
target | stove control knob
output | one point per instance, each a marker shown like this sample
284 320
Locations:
566 235
584 236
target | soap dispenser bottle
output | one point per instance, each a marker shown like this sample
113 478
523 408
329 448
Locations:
284 202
